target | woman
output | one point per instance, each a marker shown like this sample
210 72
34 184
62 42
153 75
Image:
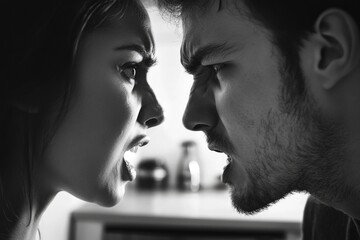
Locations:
75 98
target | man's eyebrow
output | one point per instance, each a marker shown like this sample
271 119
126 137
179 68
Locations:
148 57
205 53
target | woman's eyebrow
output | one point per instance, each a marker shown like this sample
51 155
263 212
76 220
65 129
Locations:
149 61
134 47
148 57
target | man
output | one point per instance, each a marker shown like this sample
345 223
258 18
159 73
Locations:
277 88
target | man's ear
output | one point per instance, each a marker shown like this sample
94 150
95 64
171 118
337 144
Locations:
338 52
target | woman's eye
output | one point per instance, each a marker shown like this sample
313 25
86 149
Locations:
127 71
130 72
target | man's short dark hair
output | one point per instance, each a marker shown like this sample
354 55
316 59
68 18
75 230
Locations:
290 23
291 17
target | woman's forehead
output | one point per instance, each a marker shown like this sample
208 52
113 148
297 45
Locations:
136 21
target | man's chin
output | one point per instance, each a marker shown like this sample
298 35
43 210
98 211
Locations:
250 203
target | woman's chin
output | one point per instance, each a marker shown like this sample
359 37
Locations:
110 197
114 197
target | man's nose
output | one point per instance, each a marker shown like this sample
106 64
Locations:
200 113
151 113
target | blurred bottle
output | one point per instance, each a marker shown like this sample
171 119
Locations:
188 177
152 174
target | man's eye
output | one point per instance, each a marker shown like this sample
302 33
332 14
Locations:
217 67
223 71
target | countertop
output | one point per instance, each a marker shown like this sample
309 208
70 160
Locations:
210 207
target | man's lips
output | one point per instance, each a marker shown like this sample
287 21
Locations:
217 149
225 178
226 174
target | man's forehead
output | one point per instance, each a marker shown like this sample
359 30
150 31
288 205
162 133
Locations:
209 25
194 25
209 8
194 16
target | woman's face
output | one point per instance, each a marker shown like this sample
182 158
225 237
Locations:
111 109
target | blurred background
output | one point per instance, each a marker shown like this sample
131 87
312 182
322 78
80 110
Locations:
154 196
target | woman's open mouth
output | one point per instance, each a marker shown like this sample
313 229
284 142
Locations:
128 172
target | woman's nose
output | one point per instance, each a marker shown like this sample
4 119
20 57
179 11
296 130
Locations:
200 113
151 113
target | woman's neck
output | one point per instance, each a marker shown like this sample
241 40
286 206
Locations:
24 228
24 192
20 211
19 219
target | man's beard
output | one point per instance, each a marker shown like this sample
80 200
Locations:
298 149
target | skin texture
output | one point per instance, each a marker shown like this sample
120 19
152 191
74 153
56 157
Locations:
240 101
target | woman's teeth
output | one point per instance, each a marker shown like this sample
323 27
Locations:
129 173
131 170
134 149
228 159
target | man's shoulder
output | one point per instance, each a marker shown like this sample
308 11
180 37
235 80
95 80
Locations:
319 210
324 222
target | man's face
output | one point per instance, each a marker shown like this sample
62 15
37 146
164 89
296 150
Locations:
237 99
